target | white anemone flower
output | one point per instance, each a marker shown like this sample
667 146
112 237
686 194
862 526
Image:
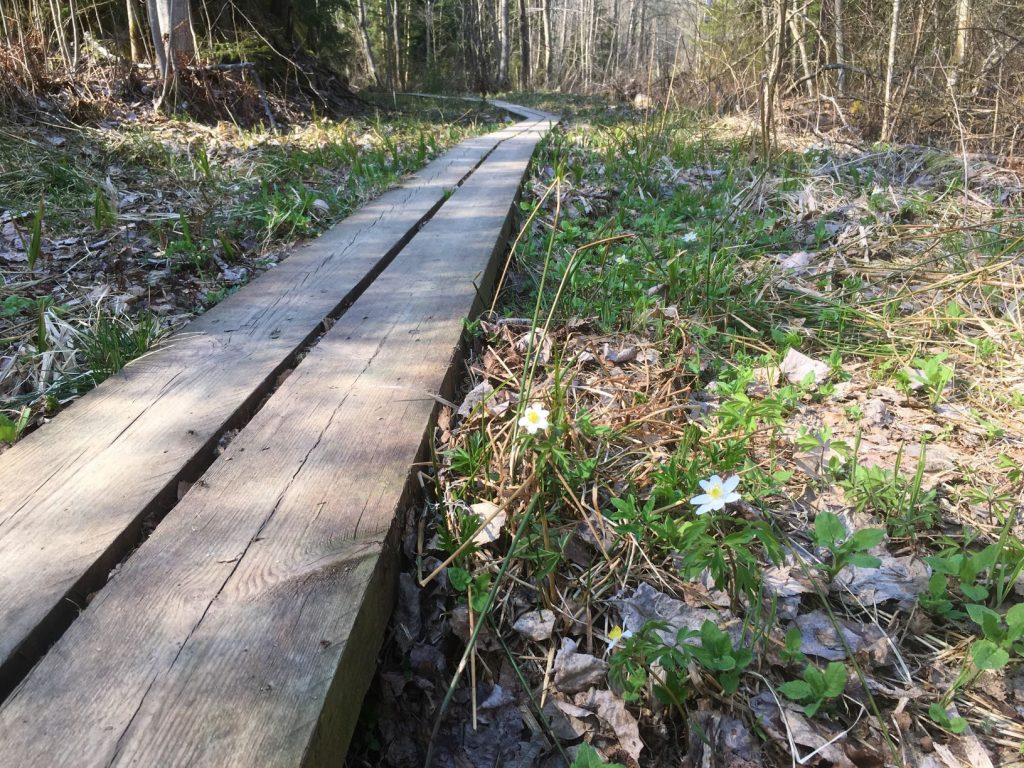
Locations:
717 493
690 237
535 418
622 259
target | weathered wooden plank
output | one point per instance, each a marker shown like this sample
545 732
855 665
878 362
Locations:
73 494
244 630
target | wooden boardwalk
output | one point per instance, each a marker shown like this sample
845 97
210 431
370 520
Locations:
244 630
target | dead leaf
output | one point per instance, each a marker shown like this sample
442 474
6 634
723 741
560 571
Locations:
576 672
612 710
407 618
811 736
537 342
821 638
647 603
491 531
624 355
721 741
536 625
898 578
474 398
797 366
797 263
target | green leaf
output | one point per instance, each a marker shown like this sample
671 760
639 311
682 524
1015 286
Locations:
987 619
953 724
1015 617
987 655
8 430
36 244
796 690
866 538
11 430
973 592
835 679
816 680
459 579
865 561
587 757
828 529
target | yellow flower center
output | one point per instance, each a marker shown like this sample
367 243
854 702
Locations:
715 491
532 416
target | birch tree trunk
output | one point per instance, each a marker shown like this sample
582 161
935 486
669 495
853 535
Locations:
174 41
771 81
889 70
503 43
963 18
546 21
839 23
796 29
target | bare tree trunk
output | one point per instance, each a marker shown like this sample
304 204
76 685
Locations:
524 47
407 48
136 40
396 45
504 47
889 69
364 42
428 32
771 81
963 18
62 41
796 30
546 20
174 42
630 33
839 23
614 42
562 29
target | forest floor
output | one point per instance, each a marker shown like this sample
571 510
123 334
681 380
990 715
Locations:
829 349
116 231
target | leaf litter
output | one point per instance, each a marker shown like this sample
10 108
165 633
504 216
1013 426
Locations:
148 221
596 610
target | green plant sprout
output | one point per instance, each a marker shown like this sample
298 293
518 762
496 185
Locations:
830 534
817 687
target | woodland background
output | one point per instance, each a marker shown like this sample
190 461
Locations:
929 71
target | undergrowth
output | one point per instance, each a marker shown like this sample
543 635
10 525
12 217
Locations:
113 236
744 441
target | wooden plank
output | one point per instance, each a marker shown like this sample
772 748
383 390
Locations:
244 630
73 494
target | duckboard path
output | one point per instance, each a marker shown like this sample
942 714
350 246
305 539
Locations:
244 630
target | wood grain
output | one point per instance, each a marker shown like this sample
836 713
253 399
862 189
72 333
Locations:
244 631
73 494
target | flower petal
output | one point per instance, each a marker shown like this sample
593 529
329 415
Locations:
703 510
730 483
701 499
731 498
715 480
704 484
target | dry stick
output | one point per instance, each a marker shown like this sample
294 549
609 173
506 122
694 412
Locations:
586 517
512 249
469 539
472 655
